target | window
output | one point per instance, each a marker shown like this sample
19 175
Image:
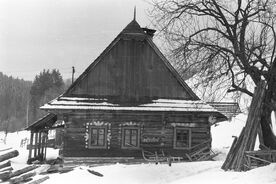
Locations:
131 138
182 138
97 137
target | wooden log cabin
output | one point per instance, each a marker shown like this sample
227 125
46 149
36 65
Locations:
128 100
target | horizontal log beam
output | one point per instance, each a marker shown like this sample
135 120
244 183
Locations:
6 164
9 155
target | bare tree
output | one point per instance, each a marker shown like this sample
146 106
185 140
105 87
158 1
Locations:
229 41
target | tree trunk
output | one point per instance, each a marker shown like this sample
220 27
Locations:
268 135
269 104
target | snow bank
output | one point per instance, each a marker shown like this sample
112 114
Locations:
188 173
262 175
223 132
134 174
222 135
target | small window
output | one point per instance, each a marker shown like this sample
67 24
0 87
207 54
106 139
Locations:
182 138
97 137
131 138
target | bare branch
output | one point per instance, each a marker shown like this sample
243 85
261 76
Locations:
220 40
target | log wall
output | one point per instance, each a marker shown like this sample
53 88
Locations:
153 124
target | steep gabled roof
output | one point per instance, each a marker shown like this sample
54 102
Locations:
132 27
133 31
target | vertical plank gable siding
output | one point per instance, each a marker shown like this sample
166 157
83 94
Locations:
74 141
130 69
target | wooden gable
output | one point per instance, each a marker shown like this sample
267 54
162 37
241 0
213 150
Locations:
130 69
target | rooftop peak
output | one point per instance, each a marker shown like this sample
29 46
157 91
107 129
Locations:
133 27
134 16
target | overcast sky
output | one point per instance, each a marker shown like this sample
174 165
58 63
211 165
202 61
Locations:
48 34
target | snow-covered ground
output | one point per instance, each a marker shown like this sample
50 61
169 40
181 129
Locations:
188 172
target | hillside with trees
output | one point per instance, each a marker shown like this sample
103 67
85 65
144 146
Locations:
14 95
19 98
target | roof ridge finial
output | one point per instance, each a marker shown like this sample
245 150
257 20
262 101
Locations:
134 17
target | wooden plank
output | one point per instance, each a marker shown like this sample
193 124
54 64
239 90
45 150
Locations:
256 158
260 134
261 152
35 144
31 146
42 146
252 122
96 158
200 136
229 155
46 143
75 130
39 144
95 172
246 140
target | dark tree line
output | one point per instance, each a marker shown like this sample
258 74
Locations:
230 42
14 95
19 98
46 86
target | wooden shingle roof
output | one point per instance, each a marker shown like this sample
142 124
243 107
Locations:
229 109
131 68
45 122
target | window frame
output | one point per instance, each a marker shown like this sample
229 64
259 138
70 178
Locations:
123 146
189 138
105 137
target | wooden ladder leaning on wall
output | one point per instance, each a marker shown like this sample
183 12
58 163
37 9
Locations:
201 152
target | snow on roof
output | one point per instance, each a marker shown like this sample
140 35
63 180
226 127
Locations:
76 103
